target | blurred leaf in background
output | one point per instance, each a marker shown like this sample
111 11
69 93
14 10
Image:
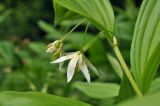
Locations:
20 17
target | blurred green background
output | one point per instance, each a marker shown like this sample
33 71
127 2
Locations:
27 26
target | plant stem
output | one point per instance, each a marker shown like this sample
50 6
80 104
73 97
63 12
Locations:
72 30
92 41
126 70
83 41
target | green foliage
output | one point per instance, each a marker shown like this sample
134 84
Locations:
98 90
20 18
145 101
116 65
145 51
6 54
100 13
62 14
4 14
155 86
126 91
24 63
36 99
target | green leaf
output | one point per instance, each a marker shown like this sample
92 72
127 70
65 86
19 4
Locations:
126 91
115 65
98 90
149 100
155 86
145 50
38 48
123 31
7 53
62 14
11 98
4 15
48 28
99 12
1 7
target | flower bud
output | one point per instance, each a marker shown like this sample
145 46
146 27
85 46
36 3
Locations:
53 47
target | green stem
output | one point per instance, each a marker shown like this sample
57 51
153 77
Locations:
71 30
92 41
84 35
125 68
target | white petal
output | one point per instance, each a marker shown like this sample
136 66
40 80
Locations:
84 69
61 64
71 68
63 58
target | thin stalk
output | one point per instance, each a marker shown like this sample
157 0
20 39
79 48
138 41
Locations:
125 68
92 41
71 30
83 40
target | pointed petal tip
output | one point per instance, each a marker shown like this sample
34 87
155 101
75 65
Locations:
71 68
85 72
68 80
88 81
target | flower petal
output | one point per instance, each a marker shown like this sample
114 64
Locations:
63 58
62 63
84 68
71 68
85 71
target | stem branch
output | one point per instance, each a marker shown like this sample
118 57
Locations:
125 68
72 30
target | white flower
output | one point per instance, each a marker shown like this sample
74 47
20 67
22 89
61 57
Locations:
77 59
53 47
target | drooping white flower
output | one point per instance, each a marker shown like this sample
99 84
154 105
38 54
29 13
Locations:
76 59
53 47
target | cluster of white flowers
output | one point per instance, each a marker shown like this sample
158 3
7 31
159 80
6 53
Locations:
76 59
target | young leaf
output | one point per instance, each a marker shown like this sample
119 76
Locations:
115 65
99 12
11 98
145 50
155 86
98 90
